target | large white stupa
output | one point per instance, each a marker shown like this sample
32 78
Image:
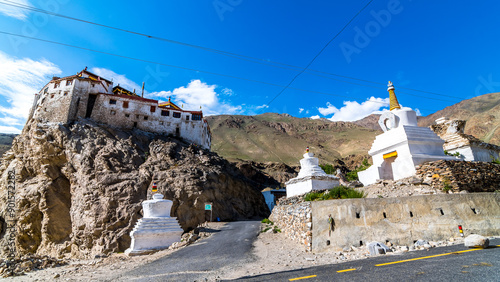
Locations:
311 177
402 146
156 230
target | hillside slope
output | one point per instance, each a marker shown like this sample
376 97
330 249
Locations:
282 138
79 187
6 142
482 114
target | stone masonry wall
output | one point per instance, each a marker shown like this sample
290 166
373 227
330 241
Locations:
460 175
401 221
295 221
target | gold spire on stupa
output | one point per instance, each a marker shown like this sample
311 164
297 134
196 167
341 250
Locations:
392 97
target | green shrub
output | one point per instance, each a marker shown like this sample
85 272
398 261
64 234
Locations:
313 196
446 184
328 168
265 229
339 192
267 221
353 175
276 229
456 154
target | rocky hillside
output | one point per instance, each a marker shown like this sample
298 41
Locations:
282 138
482 114
6 142
78 188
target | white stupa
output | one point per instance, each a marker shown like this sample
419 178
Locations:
311 177
402 146
156 230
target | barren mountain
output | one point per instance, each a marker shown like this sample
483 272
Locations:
370 122
482 114
6 142
282 138
79 187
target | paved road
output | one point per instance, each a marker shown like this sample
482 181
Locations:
195 262
454 263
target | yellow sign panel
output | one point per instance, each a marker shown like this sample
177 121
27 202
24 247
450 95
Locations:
390 155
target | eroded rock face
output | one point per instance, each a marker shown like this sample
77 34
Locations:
78 188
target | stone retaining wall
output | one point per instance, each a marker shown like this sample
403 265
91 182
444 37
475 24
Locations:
460 175
295 221
357 222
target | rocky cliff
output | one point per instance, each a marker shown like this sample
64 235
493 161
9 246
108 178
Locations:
78 187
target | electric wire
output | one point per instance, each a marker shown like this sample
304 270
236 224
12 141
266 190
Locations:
195 70
319 53
221 52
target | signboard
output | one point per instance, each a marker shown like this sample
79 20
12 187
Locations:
208 207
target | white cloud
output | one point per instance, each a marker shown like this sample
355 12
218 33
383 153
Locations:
419 114
315 117
197 94
227 92
10 121
20 79
262 107
352 110
301 110
15 12
9 129
117 79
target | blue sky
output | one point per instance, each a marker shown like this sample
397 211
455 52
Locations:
449 49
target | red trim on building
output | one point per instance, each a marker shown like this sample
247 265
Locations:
137 98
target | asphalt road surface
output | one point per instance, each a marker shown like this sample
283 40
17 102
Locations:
231 245
453 263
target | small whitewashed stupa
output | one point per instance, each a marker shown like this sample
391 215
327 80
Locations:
311 177
468 147
156 230
402 146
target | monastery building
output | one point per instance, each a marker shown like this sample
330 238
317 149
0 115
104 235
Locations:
86 95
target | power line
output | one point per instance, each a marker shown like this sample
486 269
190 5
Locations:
221 52
319 53
191 69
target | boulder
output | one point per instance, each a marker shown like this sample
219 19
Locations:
476 241
421 243
377 248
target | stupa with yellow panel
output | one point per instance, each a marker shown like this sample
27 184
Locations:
402 146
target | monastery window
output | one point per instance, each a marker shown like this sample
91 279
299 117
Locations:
65 93
127 115
165 113
92 84
125 104
52 96
112 102
145 117
196 117
187 117
153 109
137 116
69 82
113 112
176 115
56 84
161 122
45 90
